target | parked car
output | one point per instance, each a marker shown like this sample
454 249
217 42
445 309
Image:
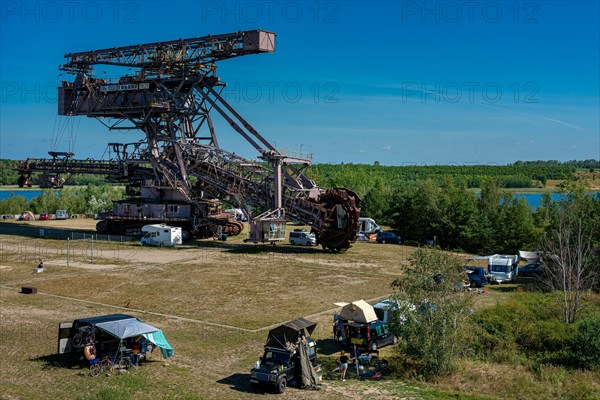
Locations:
303 238
44 216
531 269
283 355
478 276
388 237
369 336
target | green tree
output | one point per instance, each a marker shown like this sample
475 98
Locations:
432 312
570 250
14 205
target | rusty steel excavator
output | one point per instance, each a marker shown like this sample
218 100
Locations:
178 174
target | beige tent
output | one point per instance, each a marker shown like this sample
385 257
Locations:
358 311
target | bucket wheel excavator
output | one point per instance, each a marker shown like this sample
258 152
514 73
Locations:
178 173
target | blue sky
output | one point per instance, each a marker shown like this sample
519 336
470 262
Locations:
399 82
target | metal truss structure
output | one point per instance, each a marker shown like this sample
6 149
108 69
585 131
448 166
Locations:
172 96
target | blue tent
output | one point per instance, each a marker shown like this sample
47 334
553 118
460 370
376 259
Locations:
131 327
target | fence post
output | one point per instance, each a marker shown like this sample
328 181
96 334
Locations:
68 242
92 249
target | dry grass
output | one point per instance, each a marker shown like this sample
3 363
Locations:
182 290
241 285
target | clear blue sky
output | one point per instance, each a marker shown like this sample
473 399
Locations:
399 82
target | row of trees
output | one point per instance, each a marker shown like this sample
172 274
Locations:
362 178
522 174
78 200
457 218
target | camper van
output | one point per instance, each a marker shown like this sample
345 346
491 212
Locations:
62 214
368 228
503 268
72 336
161 235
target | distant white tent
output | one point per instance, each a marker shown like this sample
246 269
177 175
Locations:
530 256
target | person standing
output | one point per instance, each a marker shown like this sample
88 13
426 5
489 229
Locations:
343 365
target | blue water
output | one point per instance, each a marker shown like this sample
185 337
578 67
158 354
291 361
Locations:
27 193
533 199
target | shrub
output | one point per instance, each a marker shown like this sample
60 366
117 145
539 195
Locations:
586 346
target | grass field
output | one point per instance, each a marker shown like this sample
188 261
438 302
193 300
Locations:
215 302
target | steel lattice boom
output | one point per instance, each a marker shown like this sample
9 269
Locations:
180 170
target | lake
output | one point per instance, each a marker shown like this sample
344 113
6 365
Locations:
534 199
27 193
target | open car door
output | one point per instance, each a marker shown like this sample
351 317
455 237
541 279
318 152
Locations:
64 337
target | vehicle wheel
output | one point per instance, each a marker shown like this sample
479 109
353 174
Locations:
281 385
383 241
308 244
373 346
473 284
95 369
292 243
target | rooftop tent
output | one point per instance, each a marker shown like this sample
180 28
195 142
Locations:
358 311
290 332
126 328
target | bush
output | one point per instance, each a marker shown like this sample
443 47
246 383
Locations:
586 346
527 325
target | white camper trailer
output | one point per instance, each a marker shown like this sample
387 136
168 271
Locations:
502 268
161 235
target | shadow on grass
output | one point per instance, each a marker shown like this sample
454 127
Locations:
56 361
238 382
251 248
25 230
328 347
504 289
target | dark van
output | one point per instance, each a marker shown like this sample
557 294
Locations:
72 336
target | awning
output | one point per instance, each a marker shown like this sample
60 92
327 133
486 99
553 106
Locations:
126 328
159 339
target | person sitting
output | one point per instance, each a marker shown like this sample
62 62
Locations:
39 268
89 351
136 348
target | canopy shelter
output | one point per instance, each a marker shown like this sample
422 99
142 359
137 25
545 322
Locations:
358 311
132 327
289 333
530 256
126 328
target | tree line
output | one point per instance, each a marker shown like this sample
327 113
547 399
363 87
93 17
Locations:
77 200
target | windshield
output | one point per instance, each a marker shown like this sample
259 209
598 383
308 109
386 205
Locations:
276 357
